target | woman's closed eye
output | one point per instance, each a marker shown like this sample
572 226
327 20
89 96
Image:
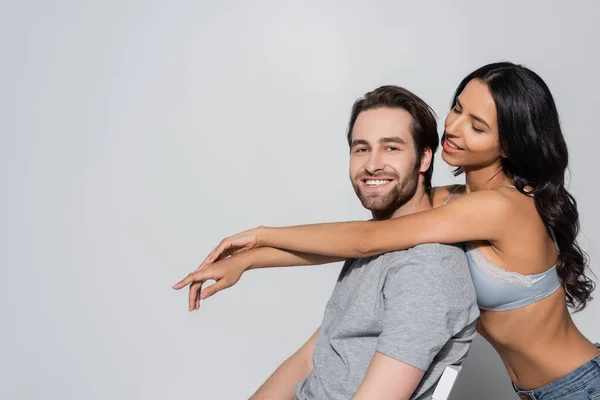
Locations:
476 129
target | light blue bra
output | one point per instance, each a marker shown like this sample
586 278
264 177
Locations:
501 290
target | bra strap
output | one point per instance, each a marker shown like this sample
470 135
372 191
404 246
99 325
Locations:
451 194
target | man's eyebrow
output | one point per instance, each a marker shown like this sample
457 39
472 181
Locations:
475 117
356 142
393 139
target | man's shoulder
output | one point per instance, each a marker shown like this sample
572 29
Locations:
438 270
438 265
428 253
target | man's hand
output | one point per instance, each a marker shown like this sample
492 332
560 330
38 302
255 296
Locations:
226 273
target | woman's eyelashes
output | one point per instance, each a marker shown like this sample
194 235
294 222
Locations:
477 130
456 109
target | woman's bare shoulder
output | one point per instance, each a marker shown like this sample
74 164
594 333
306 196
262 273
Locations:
440 194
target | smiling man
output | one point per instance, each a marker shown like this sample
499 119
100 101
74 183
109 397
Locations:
395 321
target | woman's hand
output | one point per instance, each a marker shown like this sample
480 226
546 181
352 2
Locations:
233 245
225 273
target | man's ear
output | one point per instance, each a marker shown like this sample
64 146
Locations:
426 160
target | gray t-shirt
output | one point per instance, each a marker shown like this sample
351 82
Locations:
417 306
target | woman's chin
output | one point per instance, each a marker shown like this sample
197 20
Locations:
449 159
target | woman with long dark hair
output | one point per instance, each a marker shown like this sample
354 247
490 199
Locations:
516 218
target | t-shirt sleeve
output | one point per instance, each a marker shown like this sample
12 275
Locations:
423 310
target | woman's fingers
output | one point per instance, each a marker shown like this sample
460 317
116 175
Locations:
196 276
230 246
218 251
194 298
225 273
214 288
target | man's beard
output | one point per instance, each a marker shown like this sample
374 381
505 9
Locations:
387 204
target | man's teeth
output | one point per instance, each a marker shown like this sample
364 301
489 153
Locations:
371 182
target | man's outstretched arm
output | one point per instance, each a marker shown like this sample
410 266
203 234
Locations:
282 383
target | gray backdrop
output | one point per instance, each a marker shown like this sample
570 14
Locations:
136 134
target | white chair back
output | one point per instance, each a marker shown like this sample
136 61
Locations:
444 386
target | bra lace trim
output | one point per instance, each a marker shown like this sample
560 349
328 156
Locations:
497 272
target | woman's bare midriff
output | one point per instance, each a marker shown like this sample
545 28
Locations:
538 343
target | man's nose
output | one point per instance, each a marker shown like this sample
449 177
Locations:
375 162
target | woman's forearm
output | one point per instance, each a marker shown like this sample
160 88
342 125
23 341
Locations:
468 218
340 239
268 257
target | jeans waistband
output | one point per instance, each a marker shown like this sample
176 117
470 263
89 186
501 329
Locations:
565 384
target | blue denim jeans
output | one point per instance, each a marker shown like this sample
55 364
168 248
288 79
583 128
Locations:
581 384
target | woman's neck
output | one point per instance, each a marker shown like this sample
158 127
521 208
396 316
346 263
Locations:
485 178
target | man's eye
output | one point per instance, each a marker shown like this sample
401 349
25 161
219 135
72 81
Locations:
360 150
392 148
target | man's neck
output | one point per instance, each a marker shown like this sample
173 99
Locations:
419 202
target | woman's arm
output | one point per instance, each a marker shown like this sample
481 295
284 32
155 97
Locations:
268 257
476 216
228 271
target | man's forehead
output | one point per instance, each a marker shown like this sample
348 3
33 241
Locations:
381 123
